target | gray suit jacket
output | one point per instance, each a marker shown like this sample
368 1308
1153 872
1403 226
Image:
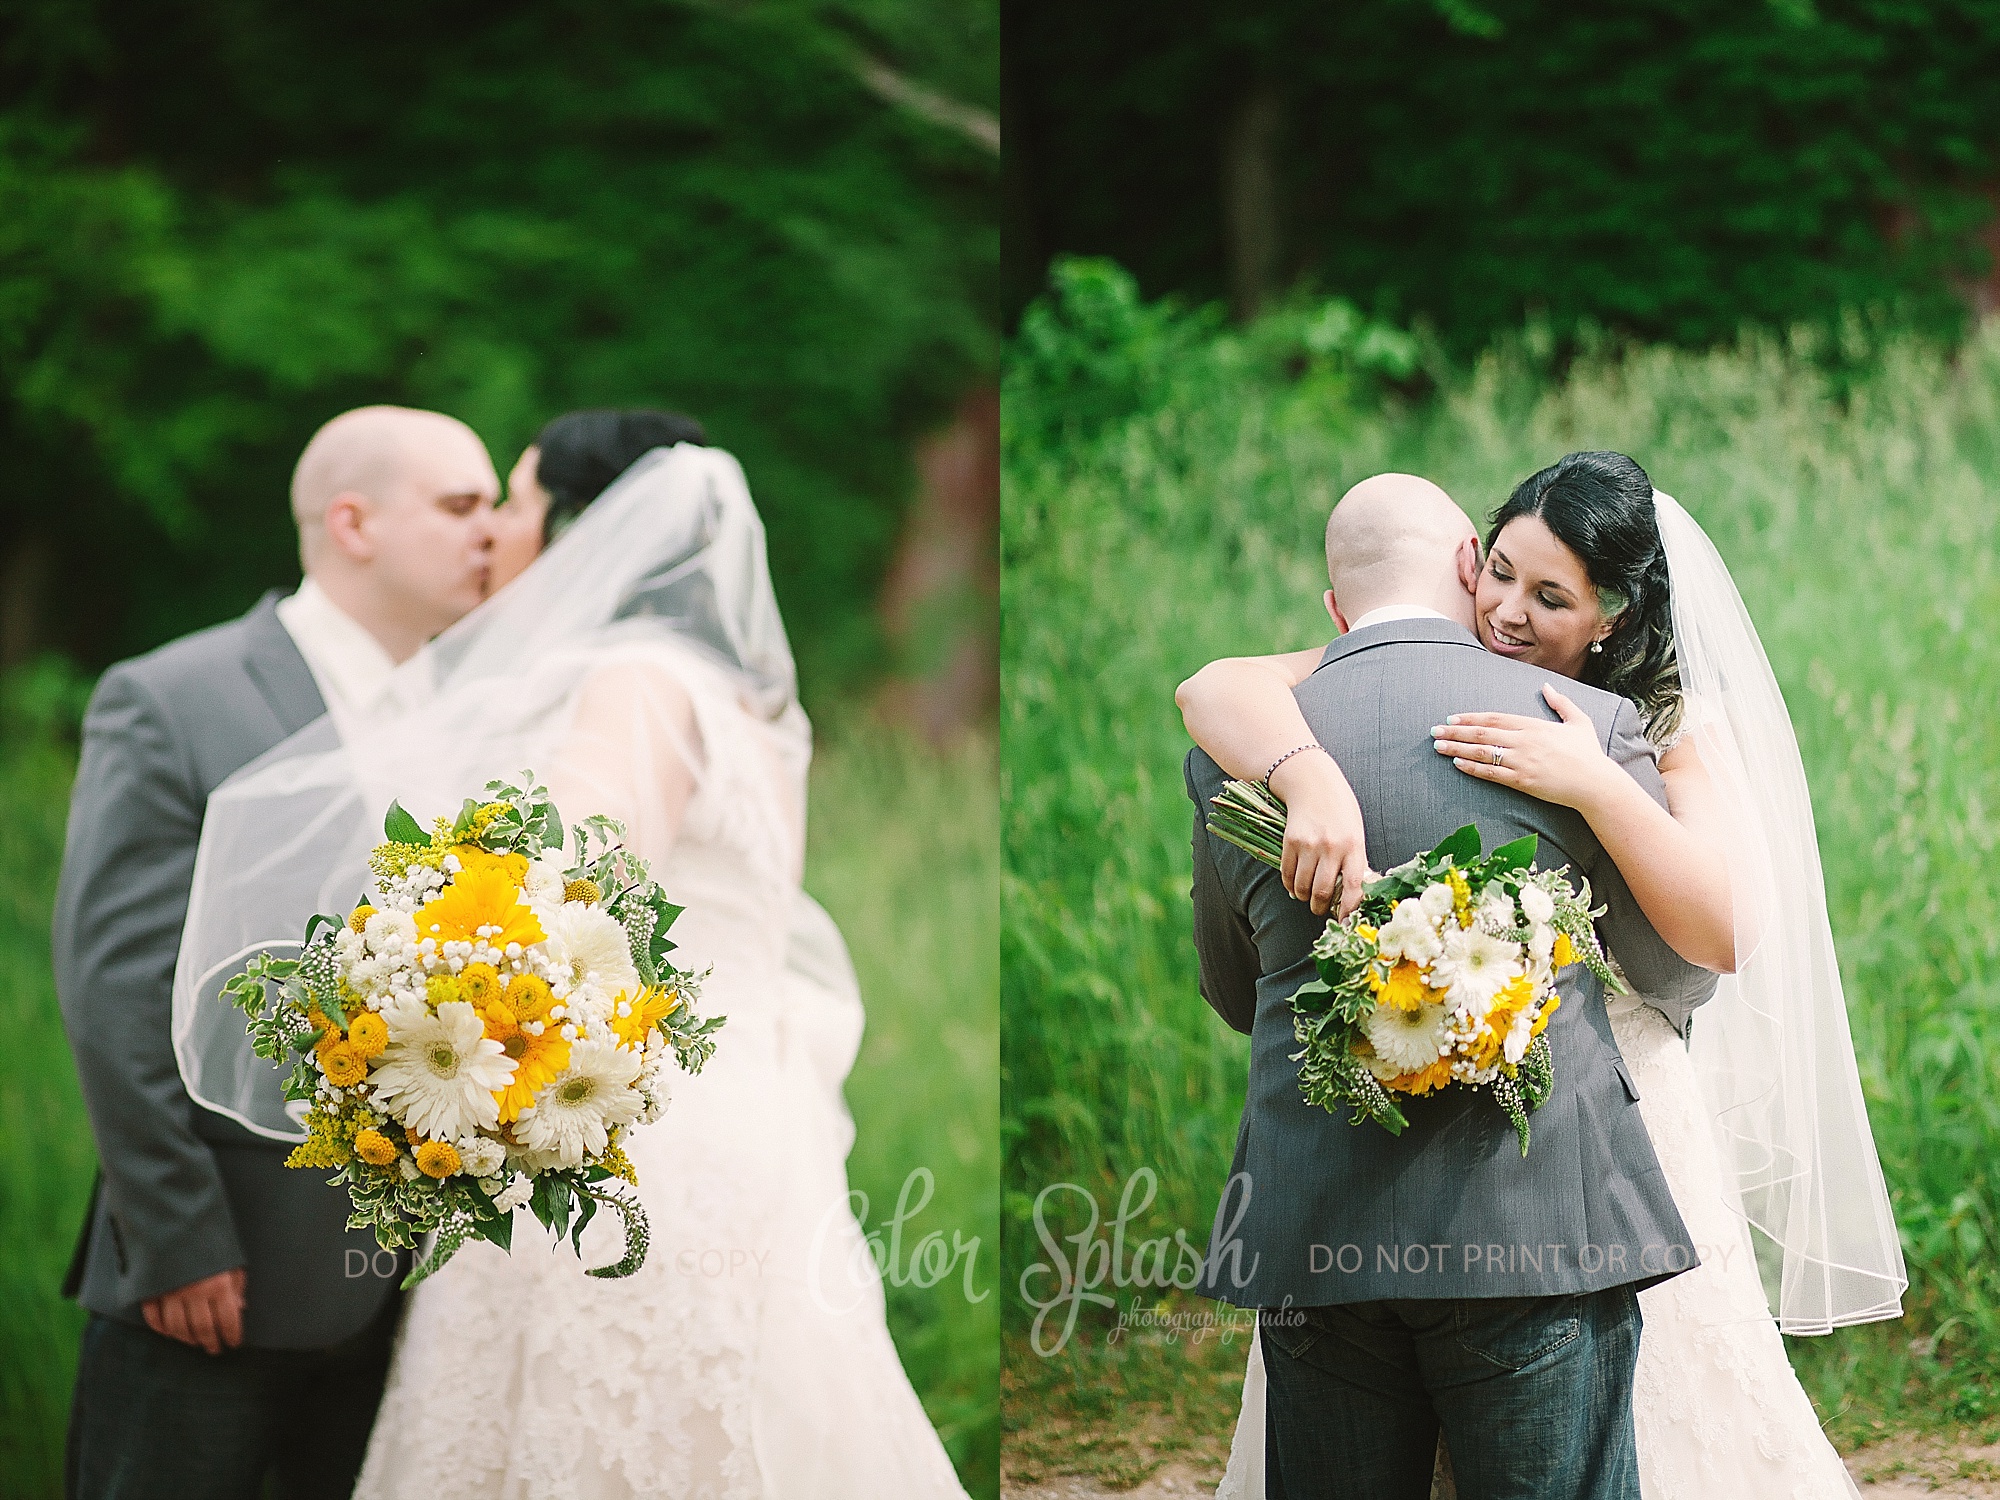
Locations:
1318 1211
183 1193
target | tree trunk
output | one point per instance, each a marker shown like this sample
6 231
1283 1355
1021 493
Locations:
24 585
1250 199
941 601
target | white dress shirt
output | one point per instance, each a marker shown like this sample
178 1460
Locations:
354 673
1390 612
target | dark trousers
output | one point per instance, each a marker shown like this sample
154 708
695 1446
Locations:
1534 1395
156 1419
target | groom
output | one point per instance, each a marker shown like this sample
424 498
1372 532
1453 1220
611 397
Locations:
238 1332
1437 1277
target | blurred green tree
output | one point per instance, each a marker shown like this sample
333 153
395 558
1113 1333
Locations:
1672 168
222 221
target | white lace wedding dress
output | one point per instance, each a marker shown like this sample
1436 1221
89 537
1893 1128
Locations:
1718 1413
749 1359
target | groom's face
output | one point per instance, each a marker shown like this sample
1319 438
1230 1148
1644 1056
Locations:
434 531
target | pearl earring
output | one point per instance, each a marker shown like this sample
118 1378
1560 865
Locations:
1596 646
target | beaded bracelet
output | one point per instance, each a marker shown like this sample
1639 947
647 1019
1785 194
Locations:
1295 750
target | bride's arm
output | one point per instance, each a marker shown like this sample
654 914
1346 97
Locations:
1242 712
1671 857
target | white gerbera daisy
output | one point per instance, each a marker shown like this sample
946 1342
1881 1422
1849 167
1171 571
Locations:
1474 966
592 947
572 1115
442 1070
1406 1040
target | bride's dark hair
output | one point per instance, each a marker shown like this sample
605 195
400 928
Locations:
583 452
1600 506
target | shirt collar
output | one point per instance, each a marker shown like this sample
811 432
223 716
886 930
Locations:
1389 612
351 667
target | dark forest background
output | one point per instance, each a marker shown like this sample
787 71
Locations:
223 221
1670 169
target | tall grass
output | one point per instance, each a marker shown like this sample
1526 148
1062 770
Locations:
904 853
1853 487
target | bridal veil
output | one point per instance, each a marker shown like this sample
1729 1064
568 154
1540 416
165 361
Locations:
1772 1049
668 564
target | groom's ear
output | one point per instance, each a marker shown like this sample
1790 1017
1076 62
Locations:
346 526
1333 609
1468 564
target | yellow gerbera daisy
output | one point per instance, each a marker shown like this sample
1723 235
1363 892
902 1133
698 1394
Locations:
472 857
479 983
343 1066
537 1060
480 898
437 1159
1405 987
1436 1076
368 1035
649 1007
374 1147
529 997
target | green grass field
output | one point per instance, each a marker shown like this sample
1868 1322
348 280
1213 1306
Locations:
904 853
1853 485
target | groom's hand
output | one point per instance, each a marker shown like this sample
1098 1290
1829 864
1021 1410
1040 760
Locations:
207 1313
1326 845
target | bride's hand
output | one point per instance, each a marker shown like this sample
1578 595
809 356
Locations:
1561 763
1325 843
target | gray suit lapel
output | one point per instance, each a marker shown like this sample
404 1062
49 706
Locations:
272 660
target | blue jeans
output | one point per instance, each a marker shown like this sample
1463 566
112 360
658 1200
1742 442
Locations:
1534 1395
156 1419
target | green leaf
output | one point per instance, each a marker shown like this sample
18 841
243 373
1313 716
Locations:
586 1209
1461 847
404 829
1517 855
499 1229
1314 988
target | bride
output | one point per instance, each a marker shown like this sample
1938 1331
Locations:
1757 1117
639 666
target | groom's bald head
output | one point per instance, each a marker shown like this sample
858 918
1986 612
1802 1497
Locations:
1396 539
395 516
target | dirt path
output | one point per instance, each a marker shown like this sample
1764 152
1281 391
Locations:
1900 1468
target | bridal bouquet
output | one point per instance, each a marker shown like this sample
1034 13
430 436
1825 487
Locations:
474 1035
1444 974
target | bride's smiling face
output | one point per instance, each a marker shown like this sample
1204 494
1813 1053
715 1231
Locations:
1535 601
